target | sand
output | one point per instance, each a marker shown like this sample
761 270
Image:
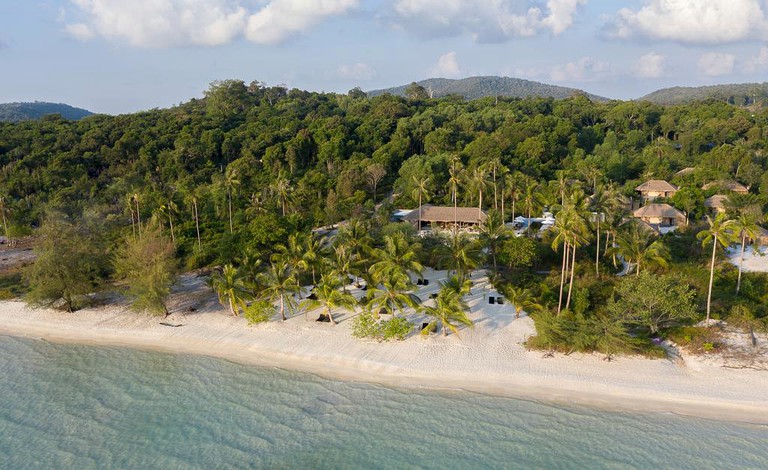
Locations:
755 261
488 358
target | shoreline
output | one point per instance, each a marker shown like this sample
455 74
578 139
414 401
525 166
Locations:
486 360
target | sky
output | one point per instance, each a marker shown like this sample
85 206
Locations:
121 56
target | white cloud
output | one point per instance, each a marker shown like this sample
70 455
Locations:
447 66
485 20
168 23
650 65
759 62
358 71
694 21
583 70
714 64
282 18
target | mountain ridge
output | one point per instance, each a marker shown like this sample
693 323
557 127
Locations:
29 111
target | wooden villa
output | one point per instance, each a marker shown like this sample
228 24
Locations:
443 217
716 204
731 186
653 189
661 217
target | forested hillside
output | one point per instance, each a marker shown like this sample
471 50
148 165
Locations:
15 112
480 87
740 94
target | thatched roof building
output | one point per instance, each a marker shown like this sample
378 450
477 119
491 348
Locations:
652 189
733 186
662 215
444 216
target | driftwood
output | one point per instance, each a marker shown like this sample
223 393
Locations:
171 324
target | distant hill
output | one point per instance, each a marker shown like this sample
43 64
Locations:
478 87
740 94
15 112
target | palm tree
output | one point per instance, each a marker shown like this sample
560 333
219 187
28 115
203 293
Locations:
329 297
571 230
744 224
522 299
231 182
281 189
397 255
463 254
138 212
168 211
493 233
356 238
130 208
292 253
477 182
192 200
604 200
450 310
231 289
390 293
280 285
420 191
314 252
718 233
453 182
495 166
638 244
341 261
530 196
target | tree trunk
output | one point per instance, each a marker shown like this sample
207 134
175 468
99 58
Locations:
570 285
282 307
597 253
711 276
170 222
480 202
418 229
229 198
562 277
138 216
233 308
197 224
330 317
741 261
444 329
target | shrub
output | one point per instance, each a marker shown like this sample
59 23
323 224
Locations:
365 325
697 339
259 311
396 328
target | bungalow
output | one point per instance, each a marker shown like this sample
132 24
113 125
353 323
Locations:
653 189
661 217
732 186
685 172
716 204
762 237
436 217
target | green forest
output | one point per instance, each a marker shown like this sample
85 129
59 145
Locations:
239 178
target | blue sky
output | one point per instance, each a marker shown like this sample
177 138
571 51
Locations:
118 56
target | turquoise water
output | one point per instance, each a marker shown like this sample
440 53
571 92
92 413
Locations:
66 406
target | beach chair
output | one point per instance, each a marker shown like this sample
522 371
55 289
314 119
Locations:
491 300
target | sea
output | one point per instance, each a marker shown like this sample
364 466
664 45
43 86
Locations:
65 406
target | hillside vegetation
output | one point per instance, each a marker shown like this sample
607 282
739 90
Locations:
740 94
480 87
15 112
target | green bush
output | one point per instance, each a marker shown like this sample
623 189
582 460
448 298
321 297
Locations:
259 311
396 328
366 326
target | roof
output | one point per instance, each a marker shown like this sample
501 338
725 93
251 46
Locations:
762 236
716 202
727 185
656 185
664 211
431 213
685 171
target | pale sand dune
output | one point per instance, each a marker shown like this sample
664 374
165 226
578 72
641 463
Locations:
488 358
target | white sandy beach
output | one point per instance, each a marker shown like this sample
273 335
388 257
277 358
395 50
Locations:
490 358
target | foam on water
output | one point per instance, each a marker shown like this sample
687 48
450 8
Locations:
66 406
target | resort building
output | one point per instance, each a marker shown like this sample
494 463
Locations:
684 172
444 217
715 204
661 217
732 186
653 189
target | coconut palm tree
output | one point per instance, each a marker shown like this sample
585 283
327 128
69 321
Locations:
329 297
356 238
572 231
720 232
398 255
477 183
341 261
280 285
462 254
420 191
390 293
192 199
495 167
530 196
230 289
292 253
450 310
604 201
281 189
454 181
639 245
231 182
522 299
314 252
745 224
493 233
168 210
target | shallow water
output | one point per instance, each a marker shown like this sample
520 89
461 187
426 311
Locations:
69 406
